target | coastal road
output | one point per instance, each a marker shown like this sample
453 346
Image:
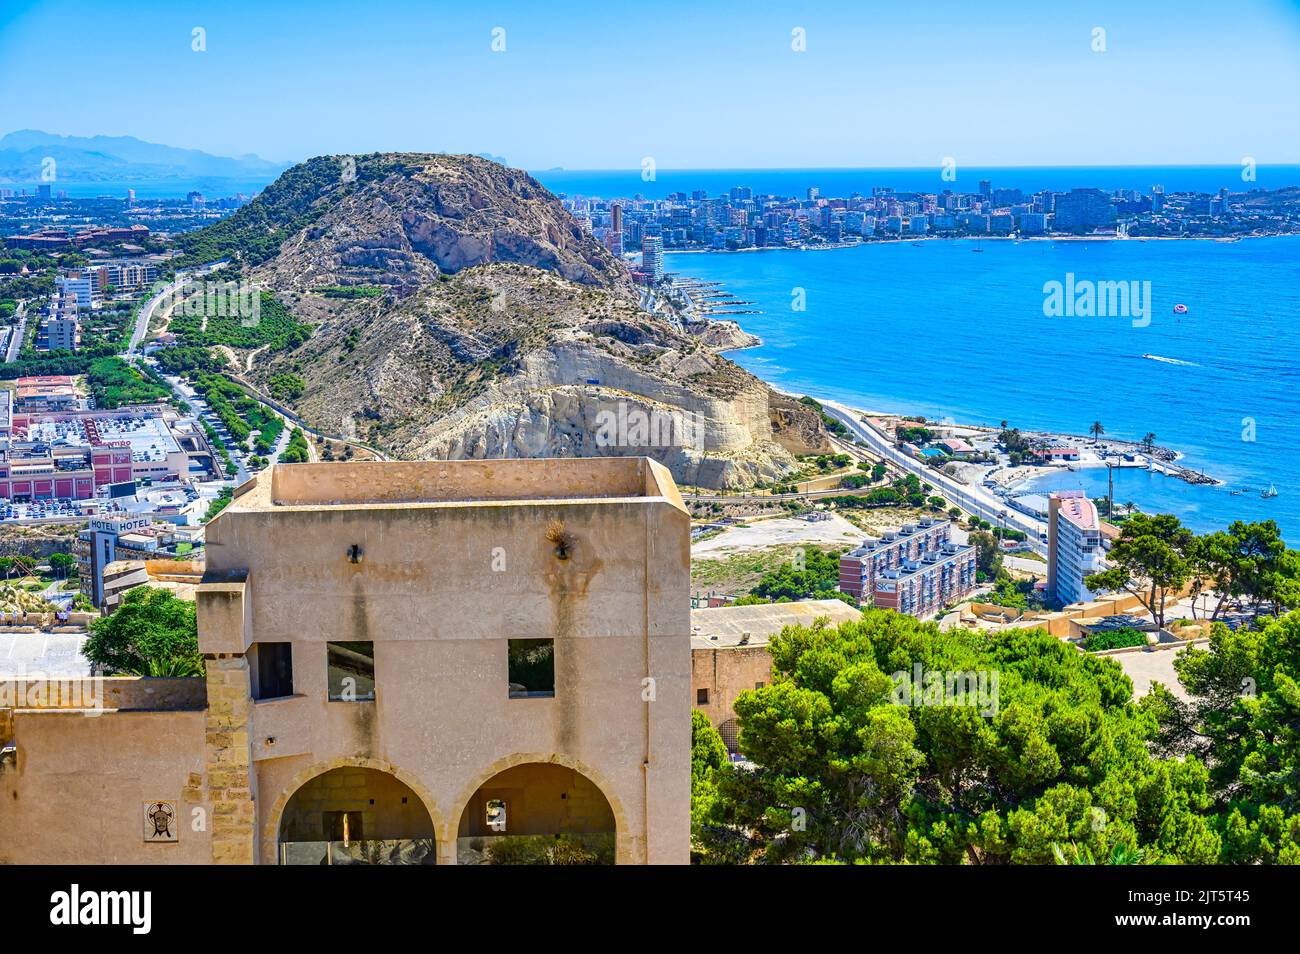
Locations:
974 500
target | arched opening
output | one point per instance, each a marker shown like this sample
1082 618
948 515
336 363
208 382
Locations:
356 816
730 732
537 813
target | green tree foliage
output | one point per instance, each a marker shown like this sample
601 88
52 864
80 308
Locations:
844 771
275 326
56 362
286 386
64 564
350 291
152 633
1249 564
708 756
1243 721
114 383
811 574
240 412
184 359
1072 854
254 233
295 452
1152 558
219 503
1011 592
905 491
988 556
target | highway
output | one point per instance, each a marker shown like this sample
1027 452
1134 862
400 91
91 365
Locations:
18 331
146 312
974 500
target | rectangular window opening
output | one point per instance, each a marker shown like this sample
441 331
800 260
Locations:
351 671
274 670
531 668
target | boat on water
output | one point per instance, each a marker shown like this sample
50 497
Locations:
1239 491
1160 357
1270 493
1180 309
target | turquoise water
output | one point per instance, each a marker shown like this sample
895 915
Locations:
934 328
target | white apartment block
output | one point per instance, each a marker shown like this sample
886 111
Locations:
1076 546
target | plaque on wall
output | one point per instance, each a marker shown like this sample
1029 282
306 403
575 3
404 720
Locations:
160 822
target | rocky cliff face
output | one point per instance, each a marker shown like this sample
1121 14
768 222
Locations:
494 326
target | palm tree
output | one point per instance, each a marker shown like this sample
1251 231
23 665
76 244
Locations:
1096 430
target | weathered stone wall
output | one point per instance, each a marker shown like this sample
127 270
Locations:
439 588
726 672
76 793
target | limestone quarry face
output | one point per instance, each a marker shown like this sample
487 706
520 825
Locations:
707 441
503 330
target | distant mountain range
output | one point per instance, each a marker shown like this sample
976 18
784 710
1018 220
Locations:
119 159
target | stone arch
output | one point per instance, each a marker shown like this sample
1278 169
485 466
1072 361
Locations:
271 826
625 839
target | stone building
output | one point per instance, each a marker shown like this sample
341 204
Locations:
729 651
408 661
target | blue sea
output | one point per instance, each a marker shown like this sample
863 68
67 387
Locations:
933 328
938 330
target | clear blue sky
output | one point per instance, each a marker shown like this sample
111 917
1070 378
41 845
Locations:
694 84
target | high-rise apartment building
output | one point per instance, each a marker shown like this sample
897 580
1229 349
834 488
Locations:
652 257
1075 546
1083 210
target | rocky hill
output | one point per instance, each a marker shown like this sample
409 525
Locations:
458 310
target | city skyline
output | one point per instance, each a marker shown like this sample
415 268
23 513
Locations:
852 90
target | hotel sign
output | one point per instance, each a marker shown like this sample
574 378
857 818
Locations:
120 524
